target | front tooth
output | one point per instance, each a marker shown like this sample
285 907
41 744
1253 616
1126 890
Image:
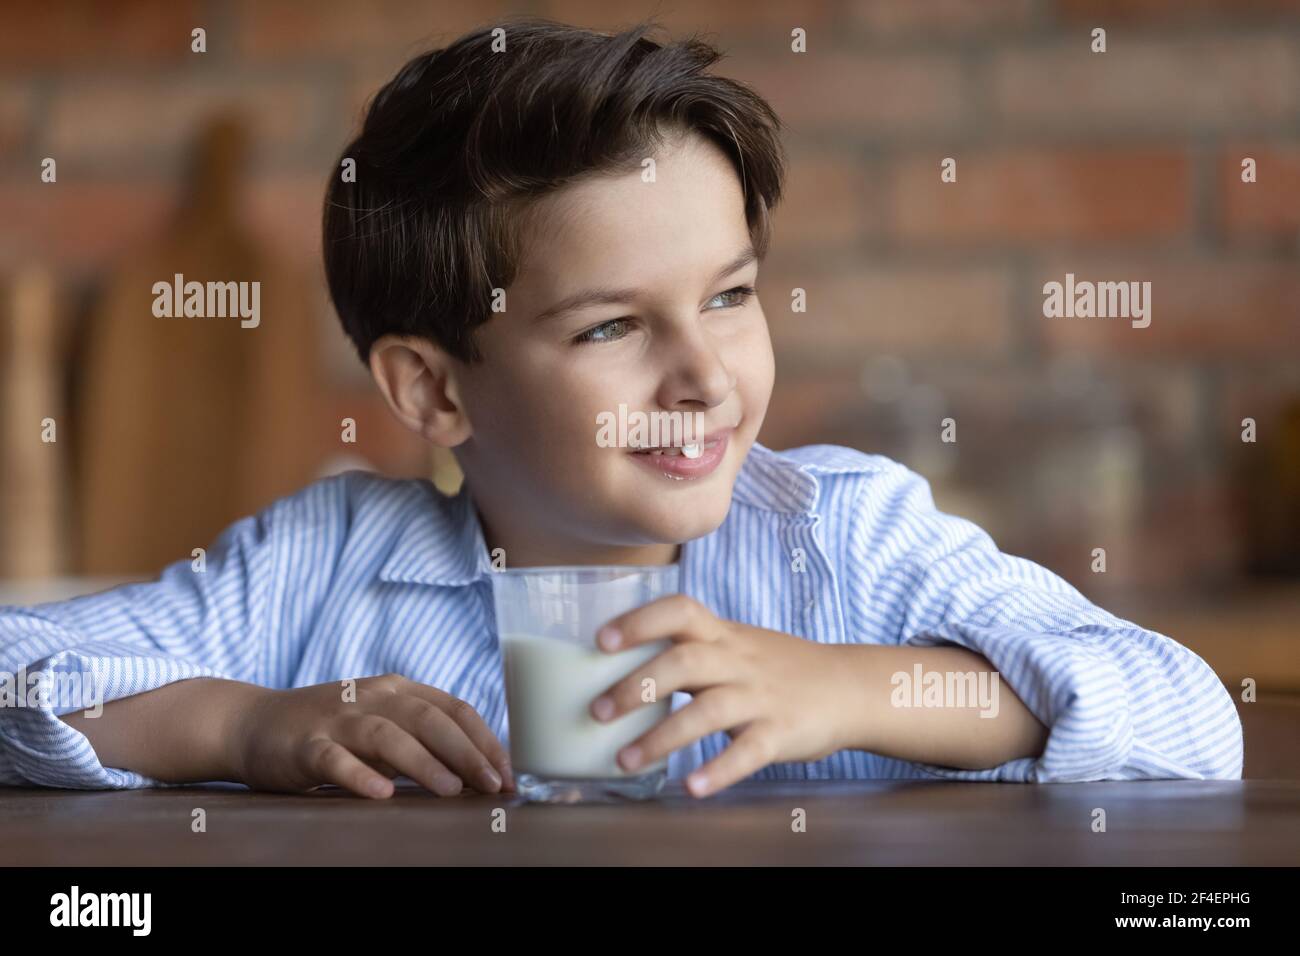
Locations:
692 451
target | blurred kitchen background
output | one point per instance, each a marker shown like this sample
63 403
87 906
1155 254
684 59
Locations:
924 298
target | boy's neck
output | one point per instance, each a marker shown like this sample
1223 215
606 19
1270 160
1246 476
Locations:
521 552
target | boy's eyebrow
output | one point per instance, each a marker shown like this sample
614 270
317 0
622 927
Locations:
615 296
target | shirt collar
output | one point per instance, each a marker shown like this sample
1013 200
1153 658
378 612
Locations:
775 483
441 541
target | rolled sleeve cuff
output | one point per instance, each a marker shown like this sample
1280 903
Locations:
39 749
1078 692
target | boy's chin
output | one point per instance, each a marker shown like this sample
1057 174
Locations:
677 523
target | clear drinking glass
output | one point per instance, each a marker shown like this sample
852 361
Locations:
547 619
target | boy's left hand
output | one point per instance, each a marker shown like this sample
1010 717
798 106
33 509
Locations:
778 693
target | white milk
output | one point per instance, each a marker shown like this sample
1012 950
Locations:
550 685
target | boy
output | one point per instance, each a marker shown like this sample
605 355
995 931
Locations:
537 235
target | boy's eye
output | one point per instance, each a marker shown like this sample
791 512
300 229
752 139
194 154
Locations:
615 329
738 296
605 332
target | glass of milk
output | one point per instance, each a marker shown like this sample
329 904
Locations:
547 619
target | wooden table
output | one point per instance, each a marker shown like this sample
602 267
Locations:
848 822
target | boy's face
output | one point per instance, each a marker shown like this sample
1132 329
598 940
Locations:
684 340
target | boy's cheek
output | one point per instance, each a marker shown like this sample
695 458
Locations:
756 371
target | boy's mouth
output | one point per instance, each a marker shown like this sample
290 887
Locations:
688 460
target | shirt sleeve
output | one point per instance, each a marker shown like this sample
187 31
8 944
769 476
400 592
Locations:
1120 702
210 620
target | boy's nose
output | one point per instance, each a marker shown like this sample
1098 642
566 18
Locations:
695 372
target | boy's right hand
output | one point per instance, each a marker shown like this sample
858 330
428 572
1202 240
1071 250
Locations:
298 739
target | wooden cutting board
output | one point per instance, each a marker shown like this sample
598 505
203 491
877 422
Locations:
186 424
33 471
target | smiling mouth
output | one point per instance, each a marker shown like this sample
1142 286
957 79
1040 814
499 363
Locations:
679 451
690 450
688 460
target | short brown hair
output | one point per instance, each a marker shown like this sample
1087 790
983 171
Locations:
459 143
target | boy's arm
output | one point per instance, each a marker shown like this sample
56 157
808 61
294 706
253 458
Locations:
183 732
1117 701
972 737
68 657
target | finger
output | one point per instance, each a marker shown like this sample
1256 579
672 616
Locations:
688 666
474 726
330 762
675 616
445 738
374 738
748 754
708 713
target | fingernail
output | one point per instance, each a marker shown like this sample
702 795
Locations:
494 778
631 757
378 788
603 708
698 783
610 638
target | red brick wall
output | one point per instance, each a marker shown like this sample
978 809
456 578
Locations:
924 298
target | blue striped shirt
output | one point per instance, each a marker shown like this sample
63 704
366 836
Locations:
359 574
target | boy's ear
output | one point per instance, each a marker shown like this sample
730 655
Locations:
419 382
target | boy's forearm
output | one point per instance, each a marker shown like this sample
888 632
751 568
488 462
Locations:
178 733
875 718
